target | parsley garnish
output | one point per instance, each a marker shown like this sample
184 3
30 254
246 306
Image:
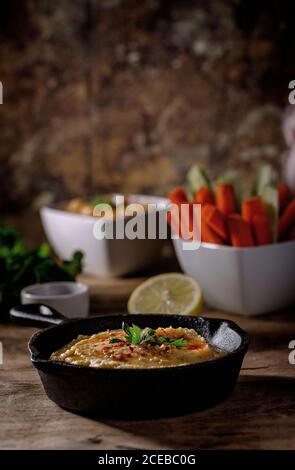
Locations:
116 340
134 335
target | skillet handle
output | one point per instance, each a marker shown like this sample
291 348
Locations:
38 315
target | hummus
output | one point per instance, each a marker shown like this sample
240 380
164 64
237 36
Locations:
163 347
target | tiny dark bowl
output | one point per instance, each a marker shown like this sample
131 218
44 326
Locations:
136 393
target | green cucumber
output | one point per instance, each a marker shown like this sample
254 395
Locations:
197 178
270 197
265 177
189 193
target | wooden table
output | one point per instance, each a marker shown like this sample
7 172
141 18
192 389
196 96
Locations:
258 415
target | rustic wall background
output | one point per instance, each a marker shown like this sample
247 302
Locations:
125 95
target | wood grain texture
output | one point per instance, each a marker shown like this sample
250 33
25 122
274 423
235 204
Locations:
258 415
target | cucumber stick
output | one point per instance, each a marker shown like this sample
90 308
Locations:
265 177
270 197
197 178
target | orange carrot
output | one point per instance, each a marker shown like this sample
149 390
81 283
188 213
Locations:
178 195
225 198
283 195
287 219
209 236
215 219
252 208
261 229
181 221
186 221
239 231
204 196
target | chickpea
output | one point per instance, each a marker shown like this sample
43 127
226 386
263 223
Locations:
86 210
75 205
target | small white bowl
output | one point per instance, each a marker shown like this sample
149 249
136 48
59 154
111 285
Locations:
67 232
69 298
247 281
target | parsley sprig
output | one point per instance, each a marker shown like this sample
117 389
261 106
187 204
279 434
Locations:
134 335
20 267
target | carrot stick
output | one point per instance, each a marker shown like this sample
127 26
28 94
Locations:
252 208
261 229
209 236
283 195
287 219
215 219
178 195
239 231
181 221
225 198
186 221
204 196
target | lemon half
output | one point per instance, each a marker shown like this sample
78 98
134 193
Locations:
170 293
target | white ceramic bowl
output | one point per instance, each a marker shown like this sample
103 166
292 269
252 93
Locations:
67 232
69 298
247 281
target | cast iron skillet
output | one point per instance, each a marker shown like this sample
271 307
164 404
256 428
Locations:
133 393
